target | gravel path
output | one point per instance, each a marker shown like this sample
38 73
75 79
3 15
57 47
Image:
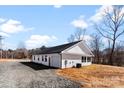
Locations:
31 75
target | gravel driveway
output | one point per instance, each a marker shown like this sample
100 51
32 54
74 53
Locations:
31 75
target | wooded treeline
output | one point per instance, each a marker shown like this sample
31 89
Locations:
20 53
14 54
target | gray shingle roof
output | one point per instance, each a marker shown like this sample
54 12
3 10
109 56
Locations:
57 49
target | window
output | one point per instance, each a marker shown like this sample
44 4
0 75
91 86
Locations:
34 57
65 62
45 58
72 62
42 58
88 59
38 59
83 59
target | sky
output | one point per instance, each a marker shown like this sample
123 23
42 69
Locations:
45 24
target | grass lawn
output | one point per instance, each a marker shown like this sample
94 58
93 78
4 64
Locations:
95 75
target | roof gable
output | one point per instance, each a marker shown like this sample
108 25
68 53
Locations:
79 48
76 50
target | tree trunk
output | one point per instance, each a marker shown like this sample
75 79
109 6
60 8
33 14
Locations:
98 57
111 54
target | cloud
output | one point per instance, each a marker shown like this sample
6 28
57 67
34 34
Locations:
13 26
2 20
79 23
4 34
38 40
100 13
57 6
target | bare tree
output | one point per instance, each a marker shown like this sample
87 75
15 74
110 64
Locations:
10 53
96 45
71 38
112 26
21 51
78 35
43 47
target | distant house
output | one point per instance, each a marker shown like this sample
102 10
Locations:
65 56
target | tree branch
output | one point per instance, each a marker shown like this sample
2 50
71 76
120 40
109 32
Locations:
119 34
103 34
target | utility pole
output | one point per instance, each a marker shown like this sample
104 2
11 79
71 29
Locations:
1 38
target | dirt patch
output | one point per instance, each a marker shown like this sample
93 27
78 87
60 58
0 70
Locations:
95 75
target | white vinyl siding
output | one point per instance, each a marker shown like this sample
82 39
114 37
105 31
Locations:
70 60
54 59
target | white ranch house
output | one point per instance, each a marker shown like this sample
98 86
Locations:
65 56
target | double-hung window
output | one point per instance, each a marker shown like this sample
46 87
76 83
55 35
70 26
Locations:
88 59
38 58
83 59
34 57
42 58
45 58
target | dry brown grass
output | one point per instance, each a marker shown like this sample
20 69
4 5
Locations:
12 60
7 60
95 75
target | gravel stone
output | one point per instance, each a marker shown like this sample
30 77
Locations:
26 75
